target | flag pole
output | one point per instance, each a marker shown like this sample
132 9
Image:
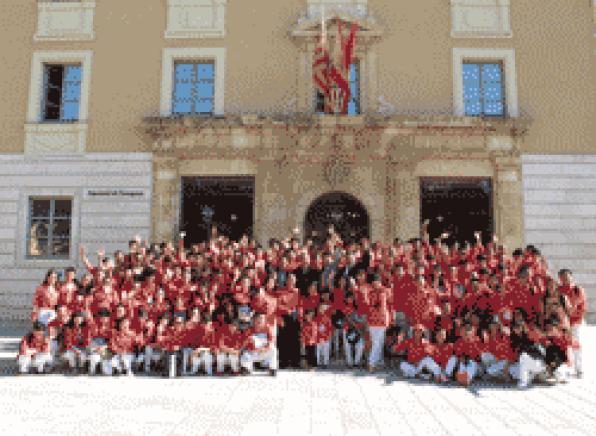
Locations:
324 44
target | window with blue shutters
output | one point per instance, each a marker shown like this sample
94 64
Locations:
62 92
194 88
354 102
483 89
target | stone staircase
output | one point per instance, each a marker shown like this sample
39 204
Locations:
10 337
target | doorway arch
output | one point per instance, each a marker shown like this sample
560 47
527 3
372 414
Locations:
342 210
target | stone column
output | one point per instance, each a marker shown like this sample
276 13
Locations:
166 198
508 201
407 203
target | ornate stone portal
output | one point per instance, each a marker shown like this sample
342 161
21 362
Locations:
378 160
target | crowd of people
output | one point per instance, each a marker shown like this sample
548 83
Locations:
437 311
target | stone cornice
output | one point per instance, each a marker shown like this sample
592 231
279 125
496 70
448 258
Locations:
314 139
167 127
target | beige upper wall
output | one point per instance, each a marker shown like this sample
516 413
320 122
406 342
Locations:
552 39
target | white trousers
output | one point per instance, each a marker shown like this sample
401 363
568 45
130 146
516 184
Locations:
323 350
497 368
563 372
450 367
577 353
377 336
471 368
123 362
353 352
75 359
410 370
204 360
268 357
95 359
231 359
39 361
529 368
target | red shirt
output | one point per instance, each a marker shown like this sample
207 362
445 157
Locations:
500 347
310 302
577 300
378 308
442 353
123 342
67 293
227 339
416 350
31 344
266 304
468 347
45 297
402 287
324 327
287 301
308 334
77 336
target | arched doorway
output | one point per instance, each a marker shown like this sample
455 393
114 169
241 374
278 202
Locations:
345 212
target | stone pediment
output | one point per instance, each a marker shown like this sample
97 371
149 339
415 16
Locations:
310 27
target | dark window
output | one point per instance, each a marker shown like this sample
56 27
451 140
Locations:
194 88
225 203
62 92
49 227
459 206
483 89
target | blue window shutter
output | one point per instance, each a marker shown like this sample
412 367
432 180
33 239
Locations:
71 93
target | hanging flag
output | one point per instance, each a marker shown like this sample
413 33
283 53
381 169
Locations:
320 67
342 58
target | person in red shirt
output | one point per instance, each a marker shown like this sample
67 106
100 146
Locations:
77 338
34 350
122 345
403 285
419 352
577 311
497 356
324 332
378 313
467 349
443 354
311 300
229 340
260 346
68 289
176 339
308 338
46 299
98 349
203 342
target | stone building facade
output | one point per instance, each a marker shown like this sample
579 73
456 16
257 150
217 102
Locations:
122 162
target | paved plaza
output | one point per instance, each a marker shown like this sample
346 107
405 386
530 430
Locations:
295 402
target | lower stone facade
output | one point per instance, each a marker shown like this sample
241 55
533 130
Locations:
111 198
560 214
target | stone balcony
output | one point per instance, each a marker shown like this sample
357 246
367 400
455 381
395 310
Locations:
374 137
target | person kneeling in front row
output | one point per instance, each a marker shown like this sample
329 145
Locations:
260 346
34 350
